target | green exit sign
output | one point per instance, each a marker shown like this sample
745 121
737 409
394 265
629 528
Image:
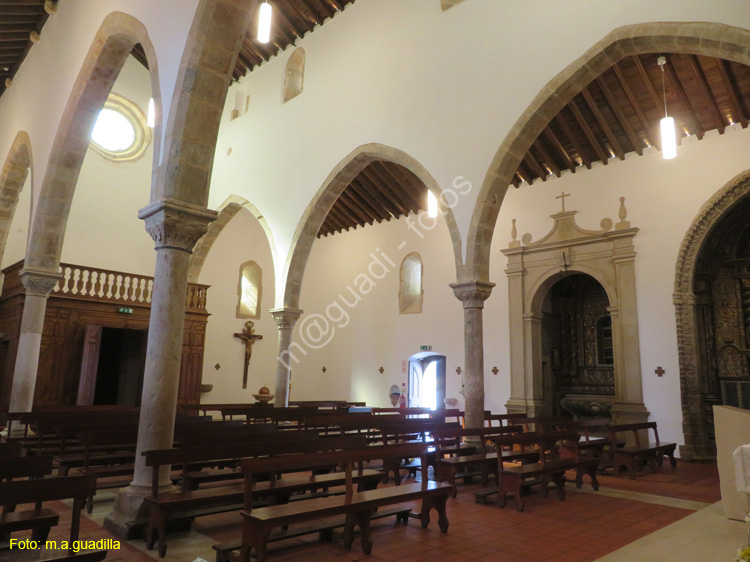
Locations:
125 310
425 347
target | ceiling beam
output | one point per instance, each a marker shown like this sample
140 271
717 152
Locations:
651 135
560 120
729 85
635 142
356 199
353 208
603 157
413 197
602 122
360 184
559 148
548 160
535 167
684 100
306 18
289 23
376 183
708 97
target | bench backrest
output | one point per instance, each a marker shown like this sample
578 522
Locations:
547 442
636 429
502 419
595 427
21 467
453 436
12 449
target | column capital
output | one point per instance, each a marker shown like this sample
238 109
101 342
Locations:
286 318
39 282
473 293
176 224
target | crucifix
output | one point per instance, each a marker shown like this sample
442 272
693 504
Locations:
249 337
562 196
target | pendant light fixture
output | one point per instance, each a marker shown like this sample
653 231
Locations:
668 134
264 22
432 205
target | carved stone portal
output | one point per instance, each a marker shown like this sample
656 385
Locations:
590 380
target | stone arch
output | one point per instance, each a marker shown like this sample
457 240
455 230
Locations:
333 186
110 48
294 79
227 211
546 281
12 179
701 38
697 443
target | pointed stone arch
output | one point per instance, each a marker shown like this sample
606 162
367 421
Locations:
227 211
111 46
334 185
700 38
12 179
697 442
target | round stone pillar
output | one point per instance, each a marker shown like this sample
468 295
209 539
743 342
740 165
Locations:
175 228
285 318
472 295
38 284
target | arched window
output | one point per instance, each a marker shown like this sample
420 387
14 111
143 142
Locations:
250 290
604 348
295 74
410 289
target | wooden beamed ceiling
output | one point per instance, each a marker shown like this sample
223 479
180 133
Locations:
619 112
382 191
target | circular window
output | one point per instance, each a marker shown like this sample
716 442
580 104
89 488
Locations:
120 132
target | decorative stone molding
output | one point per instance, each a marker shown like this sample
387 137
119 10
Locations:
39 282
286 318
174 224
472 294
697 442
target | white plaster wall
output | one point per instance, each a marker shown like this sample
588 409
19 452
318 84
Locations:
662 198
103 227
445 87
371 333
36 100
241 240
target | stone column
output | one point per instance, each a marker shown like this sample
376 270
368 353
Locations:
38 284
472 295
534 376
175 228
285 318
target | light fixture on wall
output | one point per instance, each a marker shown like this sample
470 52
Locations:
264 22
668 134
432 205
151 114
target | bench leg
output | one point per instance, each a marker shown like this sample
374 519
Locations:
363 520
591 471
559 479
439 503
452 480
40 534
255 540
544 483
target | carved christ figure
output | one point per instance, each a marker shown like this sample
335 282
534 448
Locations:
249 337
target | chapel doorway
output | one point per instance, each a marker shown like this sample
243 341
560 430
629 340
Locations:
426 381
578 361
113 365
721 286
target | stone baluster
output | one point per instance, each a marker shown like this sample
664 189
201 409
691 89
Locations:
285 318
472 295
175 228
38 284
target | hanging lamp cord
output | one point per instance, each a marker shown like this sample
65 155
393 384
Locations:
664 90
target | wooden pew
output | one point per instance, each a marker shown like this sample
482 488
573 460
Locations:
40 520
12 449
550 466
356 506
212 500
501 419
634 455
595 440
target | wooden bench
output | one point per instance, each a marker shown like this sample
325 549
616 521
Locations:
194 503
550 466
40 520
356 506
640 451
464 465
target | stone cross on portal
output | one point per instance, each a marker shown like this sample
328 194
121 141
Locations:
562 196
249 338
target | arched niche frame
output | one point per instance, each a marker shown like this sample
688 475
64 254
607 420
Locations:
607 255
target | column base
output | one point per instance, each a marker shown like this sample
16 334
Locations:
130 514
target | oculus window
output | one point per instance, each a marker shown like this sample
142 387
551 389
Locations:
120 132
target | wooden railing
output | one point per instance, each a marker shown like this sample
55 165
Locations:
89 283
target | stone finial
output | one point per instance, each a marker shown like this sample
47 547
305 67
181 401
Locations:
286 318
514 233
34 37
472 294
39 282
50 6
623 214
175 224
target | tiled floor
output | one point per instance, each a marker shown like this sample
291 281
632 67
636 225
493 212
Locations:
668 516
